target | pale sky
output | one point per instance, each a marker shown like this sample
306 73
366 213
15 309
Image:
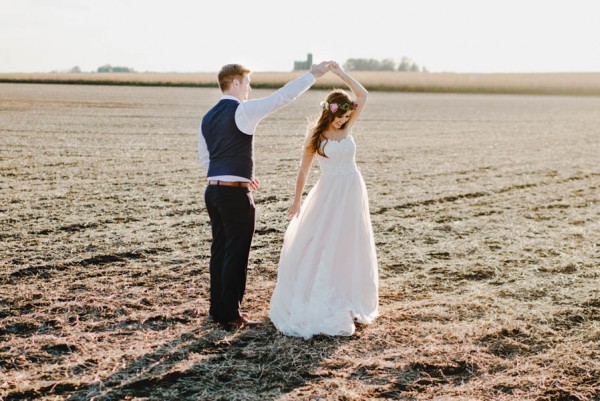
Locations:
268 35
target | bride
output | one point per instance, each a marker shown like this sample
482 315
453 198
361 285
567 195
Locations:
327 278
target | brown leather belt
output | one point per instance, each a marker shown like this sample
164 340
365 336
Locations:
230 184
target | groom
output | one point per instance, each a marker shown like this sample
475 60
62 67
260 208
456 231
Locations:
225 148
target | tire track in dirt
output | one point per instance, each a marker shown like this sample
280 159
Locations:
474 195
45 271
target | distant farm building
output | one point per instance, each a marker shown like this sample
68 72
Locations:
303 65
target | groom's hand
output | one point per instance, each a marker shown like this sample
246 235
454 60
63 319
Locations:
255 184
318 70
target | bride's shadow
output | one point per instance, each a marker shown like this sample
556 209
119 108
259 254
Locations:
252 364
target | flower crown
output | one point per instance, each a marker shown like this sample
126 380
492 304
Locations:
333 107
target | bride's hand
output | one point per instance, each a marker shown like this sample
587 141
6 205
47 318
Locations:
294 210
335 67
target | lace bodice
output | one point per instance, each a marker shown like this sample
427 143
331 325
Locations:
340 158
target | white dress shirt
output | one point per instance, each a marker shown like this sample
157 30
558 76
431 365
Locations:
251 112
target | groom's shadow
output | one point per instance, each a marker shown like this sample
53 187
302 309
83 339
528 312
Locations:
256 363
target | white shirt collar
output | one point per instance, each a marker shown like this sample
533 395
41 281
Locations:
229 97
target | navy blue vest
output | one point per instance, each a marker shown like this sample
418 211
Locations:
229 148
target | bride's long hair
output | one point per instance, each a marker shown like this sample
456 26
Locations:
317 141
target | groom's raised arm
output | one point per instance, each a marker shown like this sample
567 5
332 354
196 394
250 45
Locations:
251 112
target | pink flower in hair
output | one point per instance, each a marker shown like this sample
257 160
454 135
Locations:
333 107
354 105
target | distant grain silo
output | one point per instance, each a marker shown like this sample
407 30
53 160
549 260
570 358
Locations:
303 65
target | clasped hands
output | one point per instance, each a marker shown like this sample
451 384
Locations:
318 70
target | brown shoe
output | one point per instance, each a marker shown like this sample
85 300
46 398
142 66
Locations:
249 322
235 325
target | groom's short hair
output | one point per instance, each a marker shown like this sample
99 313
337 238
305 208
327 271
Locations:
230 72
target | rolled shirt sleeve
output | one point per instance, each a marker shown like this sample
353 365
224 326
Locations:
203 150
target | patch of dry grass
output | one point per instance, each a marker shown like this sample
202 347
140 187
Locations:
486 217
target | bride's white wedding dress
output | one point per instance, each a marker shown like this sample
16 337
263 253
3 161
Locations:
327 276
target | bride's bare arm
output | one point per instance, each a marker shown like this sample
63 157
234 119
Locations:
357 89
303 171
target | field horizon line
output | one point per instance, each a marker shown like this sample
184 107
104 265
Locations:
558 84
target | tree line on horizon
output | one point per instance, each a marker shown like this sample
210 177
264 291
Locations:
388 64
110 68
352 64
103 68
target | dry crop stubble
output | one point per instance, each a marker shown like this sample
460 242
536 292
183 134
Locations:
486 217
